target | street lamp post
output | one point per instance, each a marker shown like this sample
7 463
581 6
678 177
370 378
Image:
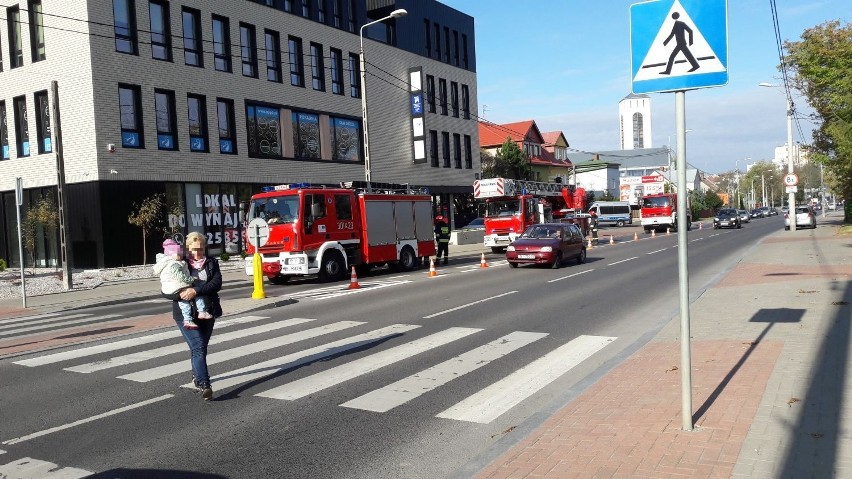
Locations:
394 14
791 200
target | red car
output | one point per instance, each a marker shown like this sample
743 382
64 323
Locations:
547 243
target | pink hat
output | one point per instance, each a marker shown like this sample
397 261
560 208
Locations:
171 247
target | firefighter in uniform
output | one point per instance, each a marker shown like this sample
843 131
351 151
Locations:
594 225
442 238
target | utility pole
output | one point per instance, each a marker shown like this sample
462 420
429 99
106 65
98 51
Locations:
64 244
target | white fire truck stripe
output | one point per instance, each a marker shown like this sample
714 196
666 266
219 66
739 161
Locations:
64 325
238 352
468 305
181 347
326 379
124 344
491 402
404 390
273 366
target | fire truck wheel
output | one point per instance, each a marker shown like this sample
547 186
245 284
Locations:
407 259
557 263
647 229
280 279
581 258
496 249
332 267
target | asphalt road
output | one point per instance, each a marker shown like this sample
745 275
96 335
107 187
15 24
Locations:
467 345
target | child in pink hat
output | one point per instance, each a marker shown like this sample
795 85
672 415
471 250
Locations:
174 276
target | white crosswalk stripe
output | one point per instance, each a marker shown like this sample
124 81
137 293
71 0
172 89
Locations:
74 323
400 392
326 379
337 290
33 317
491 402
28 468
125 343
181 347
215 358
34 320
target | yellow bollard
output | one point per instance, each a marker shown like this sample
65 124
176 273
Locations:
257 268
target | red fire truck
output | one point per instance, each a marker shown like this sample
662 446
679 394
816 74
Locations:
325 231
512 205
660 211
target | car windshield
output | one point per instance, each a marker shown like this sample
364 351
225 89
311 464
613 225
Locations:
503 208
475 223
655 202
728 212
802 209
276 210
540 231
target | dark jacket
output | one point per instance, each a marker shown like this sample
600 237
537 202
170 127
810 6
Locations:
442 232
209 289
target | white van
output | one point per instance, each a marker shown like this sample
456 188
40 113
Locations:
612 212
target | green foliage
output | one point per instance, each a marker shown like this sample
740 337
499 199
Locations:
243 255
712 200
42 214
148 216
2 264
224 257
510 162
607 196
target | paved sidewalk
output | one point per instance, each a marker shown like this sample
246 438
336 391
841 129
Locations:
770 348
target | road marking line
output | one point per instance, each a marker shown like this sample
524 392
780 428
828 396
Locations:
570 276
28 318
64 326
6 324
87 420
272 366
467 305
493 401
696 239
622 261
238 352
27 467
326 379
364 287
717 234
659 250
124 344
181 347
404 390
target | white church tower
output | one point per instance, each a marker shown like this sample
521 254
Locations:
634 113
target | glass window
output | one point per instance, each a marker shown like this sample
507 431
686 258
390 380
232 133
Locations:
221 44
321 11
353 14
336 71
192 43
164 106
264 131
4 132
343 207
468 154
317 67
442 95
430 93
306 8
161 37
273 56
464 50
456 47
454 98
227 133
124 15
354 75
248 50
457 150
288 6
306 137
427 40
445 139
446 44
465 102
36 30
345 139
130 113
1 56
196 108
336 14
297 66
22 129
433 147
437 41
16 51
42 103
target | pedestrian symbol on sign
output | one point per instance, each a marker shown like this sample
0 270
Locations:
678 32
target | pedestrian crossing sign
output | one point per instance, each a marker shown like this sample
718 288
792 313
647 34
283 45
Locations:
678 45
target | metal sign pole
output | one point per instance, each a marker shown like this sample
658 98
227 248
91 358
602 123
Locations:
19 200
683 271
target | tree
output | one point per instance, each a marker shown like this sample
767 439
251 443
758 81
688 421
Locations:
43 213
515 160
819 67
149 217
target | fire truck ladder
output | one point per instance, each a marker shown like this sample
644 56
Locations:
519 187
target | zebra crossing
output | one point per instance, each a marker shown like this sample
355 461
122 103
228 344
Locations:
404 342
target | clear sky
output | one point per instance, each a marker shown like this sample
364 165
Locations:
566 65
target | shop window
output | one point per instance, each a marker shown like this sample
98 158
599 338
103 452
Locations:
306 137
264 131
130 113
345 139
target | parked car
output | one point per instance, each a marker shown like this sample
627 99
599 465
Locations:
547 243
745 217
756 213
785 209
727 218
805 218
476 224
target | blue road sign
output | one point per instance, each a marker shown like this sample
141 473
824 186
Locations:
678 45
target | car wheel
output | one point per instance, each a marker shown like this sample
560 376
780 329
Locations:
619 223
739 225
332 267
557 263
786 228
581 258
513 264
647 230
496 249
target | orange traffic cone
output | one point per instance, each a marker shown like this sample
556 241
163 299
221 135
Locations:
668 231
589 246
653 233
611 239
701 226
432 271
482 263
353 281
635 236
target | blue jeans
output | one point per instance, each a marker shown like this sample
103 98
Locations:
197 340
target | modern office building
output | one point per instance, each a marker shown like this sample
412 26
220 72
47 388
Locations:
206 101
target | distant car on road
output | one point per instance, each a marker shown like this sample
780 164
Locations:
727 218
785 209
745 217
756 213
805 218
547 243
